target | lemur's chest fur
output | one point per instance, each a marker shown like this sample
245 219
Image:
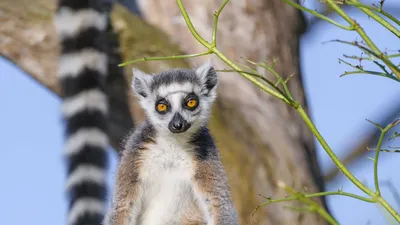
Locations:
168 195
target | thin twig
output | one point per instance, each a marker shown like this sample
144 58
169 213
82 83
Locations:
368 10
377 189
216 17
313 206
369 58
366 38
320 194
271 70
360 70
376 9
165 58
319 15
260 77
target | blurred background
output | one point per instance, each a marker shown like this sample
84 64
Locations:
32 172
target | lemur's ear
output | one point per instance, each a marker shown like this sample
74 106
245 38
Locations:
208 77
141 83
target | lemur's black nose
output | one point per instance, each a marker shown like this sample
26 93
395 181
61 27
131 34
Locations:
178 124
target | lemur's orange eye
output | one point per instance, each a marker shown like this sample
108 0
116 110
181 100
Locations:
191 103
161 107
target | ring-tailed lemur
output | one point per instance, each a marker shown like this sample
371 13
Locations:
170 171
81 26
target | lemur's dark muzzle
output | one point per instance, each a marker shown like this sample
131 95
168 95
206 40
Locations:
178 124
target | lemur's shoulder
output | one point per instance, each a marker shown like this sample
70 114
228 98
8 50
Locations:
143 133
204 144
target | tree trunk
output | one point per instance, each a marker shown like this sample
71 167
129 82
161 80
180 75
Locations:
260 138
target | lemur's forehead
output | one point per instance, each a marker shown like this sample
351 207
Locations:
175 78
176 88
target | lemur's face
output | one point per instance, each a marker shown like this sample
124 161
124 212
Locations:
178 100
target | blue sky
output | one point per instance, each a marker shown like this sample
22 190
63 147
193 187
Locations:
32 171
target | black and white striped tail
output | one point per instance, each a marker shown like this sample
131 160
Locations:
81 26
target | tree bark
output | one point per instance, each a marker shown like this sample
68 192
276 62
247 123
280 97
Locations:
260 138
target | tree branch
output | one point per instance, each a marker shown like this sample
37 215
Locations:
327 11
361 150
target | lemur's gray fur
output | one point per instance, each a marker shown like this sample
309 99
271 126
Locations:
170 171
